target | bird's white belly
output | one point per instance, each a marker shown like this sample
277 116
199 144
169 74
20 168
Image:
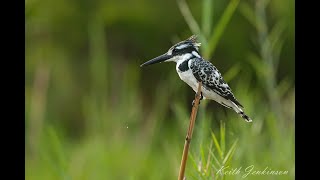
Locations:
189 78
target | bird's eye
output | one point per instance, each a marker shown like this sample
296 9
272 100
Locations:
173 51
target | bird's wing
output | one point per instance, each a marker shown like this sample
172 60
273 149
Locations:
211 79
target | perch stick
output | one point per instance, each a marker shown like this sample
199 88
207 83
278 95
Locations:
189 133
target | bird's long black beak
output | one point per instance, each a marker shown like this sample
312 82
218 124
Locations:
158 59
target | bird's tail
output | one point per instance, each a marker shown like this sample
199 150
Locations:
241 113
245 117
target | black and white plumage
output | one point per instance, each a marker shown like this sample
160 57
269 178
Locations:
192 69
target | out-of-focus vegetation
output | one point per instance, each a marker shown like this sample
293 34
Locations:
93 113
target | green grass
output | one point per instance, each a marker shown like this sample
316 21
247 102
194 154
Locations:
93 113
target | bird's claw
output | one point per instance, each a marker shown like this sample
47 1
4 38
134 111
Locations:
201 97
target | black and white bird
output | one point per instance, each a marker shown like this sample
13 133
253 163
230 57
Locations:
192 69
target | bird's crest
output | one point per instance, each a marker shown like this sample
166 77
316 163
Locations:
194 39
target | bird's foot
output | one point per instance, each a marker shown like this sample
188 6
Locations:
201 97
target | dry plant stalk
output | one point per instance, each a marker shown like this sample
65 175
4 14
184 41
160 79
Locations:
189 133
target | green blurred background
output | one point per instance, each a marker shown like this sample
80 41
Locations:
93 113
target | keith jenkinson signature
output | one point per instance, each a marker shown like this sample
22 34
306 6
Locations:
250 170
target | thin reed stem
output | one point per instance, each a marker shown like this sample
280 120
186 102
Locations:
189 133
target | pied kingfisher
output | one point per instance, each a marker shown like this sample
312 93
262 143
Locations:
192 69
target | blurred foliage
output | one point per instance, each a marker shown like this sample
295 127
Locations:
93 113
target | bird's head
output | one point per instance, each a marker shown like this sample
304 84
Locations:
180 51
